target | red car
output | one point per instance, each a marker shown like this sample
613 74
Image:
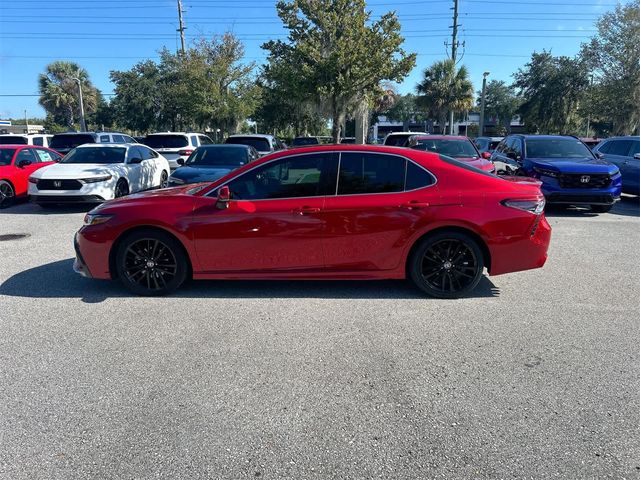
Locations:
17 162
460 148
326 212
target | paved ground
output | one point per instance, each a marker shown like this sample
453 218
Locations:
537 376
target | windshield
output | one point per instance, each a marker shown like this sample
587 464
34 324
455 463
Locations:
13 140
218 155
297 142
166 141
396 140
70 141
557 148
102 155
451 148
260 144
6 154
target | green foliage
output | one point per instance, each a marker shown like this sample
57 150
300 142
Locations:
340 57
552 89
614 56
444 88
501 103
207 87
59 94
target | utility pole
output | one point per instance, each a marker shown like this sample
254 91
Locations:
182 27
454 52
482 103
83 125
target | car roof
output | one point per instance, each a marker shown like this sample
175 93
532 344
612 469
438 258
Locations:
252 135
621 137
173 133
406 133
105 145
550 137
226 145
441 137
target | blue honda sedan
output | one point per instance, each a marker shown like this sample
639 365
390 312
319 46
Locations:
208 163
570 172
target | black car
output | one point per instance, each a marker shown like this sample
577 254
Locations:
305 141
210 162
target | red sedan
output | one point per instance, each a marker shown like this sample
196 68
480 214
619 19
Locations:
17 162
328 212
460 148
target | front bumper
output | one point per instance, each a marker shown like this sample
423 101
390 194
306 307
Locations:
560 198
56 199
79 265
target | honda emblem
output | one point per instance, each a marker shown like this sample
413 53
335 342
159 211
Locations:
585 179
57 183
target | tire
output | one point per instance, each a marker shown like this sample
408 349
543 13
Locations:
7 194
164 179
122 188
601 208
151 263
447 265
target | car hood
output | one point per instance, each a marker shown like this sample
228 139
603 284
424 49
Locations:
77 170
202 174
575 165
155 197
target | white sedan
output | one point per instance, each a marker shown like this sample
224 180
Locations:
93 173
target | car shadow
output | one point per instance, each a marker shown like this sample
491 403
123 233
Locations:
58 280
627 206
25 207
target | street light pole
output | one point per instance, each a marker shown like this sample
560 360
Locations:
482 103
83 125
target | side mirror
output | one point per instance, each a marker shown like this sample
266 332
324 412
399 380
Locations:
224 196
24 163
180 161
135 160
599 155
486 155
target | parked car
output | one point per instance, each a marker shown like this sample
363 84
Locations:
264 144
487 144
97 172
348 140
305 141
460 148
65 142
399 139
210 162
176 145
570 172
17 162
623 152
591 142
39 139
328 212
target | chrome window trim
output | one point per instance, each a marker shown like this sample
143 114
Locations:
339 152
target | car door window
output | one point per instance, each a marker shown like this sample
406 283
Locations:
119 139
145 153
194 141
204 140
516 147
620 147
39 141
604 147
635 148
134 152
364 172
290 177
45 155
417 177
128 139
104 138
26 154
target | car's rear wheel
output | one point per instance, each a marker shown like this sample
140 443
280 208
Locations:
447 265
151 263
164 179
122 188
601 208
7 194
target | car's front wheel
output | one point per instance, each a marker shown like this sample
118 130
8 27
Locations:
7 194
447 265
151 262
122 188
601 208
164 179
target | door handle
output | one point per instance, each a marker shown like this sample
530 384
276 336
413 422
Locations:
305 210
414 204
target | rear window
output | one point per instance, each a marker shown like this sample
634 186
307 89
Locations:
396 140
219 155
260 144
301 141
70 141
13 140
166 141
100 155
6 154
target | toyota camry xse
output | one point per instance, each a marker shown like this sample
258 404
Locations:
334 212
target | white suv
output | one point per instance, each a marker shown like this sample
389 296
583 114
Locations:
176 145
38 139
264 144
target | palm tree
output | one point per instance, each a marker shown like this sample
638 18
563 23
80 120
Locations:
443 89
59 91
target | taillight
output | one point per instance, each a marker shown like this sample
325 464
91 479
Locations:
185 153
535 206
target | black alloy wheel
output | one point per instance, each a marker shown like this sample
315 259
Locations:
447 265
122 188
7 194
151 263
164 179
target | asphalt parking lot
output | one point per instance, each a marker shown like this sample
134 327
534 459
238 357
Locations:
536 376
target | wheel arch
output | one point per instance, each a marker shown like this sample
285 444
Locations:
486 253
113 271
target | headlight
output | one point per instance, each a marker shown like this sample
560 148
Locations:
34 180
613 174
102 178
545 172
95 219
177 181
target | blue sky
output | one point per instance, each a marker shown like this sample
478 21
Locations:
104 35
